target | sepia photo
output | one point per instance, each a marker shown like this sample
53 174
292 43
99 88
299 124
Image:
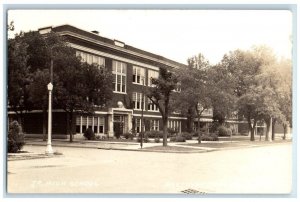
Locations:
149 101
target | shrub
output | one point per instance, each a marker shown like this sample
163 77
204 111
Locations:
145 138
154 134
178 138
212 137
15 137
89 134
128 136
223 131
186 135
171 132
157 140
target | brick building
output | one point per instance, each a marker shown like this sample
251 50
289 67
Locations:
132 71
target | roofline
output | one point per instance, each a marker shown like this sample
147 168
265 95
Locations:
147 55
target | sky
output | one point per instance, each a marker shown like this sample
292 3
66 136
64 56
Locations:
174 34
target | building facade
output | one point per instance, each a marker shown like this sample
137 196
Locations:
132 70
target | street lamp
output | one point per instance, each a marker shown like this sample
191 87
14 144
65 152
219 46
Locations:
49 147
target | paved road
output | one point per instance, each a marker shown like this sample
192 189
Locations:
251 170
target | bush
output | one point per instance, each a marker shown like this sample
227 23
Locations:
212 137
15 137
128 136
154 134
223 131
157 140
89 134
171 132
187 136
145 138
178 138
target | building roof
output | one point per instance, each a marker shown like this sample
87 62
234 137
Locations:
114 44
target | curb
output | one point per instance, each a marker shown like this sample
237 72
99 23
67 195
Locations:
159 151
153 150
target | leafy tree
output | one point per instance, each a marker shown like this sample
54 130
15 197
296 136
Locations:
239 69
160 95
193 98
284 95
83 88
36 60
18 76
222 95
38 94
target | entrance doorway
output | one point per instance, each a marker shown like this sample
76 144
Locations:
119 125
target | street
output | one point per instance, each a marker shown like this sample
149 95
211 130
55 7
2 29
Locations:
266 169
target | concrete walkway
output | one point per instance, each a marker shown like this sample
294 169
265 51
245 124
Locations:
206 146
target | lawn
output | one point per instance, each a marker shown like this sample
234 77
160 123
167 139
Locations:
171 148
235 144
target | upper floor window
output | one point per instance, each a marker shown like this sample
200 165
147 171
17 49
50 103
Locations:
138 101
152 106
177 87
152 75
138 75
90 58
119 76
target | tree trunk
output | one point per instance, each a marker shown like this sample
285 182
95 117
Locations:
198 129
190 121
252 129
284 130
44 124
267 121
165 130
273 128
70 123
252 138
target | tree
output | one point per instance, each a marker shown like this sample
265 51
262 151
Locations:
239 69
36 60
82 87
160 95
18 76
38 94
193 98
284 94
221 93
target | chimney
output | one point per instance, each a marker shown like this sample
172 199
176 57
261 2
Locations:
95 32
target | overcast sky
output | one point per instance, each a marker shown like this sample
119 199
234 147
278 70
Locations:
175 34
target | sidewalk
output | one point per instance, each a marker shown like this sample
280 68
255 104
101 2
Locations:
190 146
111 145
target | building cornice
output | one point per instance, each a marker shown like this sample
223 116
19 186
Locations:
116 48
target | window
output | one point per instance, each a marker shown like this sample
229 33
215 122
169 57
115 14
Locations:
93 122
175 125
152 106
177 87
119 76
138 101
154 125
138 75
90 58
152 74
138 125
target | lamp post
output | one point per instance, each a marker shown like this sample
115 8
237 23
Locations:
49 150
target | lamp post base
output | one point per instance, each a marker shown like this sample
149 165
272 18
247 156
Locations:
49 150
